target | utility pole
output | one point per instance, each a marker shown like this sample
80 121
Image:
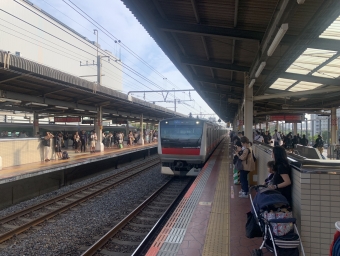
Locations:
98 122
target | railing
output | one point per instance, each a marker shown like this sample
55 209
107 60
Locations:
333 152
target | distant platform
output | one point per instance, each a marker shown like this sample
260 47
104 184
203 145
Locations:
14 173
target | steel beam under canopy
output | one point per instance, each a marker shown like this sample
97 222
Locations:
204 30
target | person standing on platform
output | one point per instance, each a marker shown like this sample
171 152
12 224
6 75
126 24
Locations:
58 145
276 138
83 141
259 137
76 139
47 145
319 144
304 141
93 139
248 165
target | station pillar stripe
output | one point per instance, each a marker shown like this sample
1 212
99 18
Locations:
181 151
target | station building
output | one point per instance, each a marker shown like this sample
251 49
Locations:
31 33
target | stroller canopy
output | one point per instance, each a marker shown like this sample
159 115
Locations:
267 197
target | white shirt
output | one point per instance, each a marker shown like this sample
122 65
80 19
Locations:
276 136
259 138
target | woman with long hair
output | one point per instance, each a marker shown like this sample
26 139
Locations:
282 173
248 165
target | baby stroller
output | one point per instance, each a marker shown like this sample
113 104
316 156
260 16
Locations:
279 231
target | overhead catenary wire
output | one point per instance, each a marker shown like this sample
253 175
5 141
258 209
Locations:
88 44
131 70
104 30
114 38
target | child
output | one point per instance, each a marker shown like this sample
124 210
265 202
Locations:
270 166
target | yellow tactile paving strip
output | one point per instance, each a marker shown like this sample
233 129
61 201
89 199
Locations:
217 236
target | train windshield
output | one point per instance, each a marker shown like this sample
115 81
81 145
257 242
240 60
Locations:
181 133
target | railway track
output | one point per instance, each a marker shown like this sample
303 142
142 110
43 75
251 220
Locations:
130 233
23 220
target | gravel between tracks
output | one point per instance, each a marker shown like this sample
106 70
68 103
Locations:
73 231
63 190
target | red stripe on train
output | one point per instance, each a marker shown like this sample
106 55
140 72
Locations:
181 151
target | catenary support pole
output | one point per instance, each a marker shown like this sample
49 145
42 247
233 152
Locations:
248 110
141 140
295 129
333 126
99 130
36 124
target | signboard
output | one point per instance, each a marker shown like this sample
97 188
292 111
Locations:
87 121
66 119
288 118
119 121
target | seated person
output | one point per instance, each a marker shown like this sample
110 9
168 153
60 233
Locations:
270 168
282 173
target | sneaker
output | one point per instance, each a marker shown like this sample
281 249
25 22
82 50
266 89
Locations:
243 195
240 192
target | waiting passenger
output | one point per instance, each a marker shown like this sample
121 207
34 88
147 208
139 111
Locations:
304 140
93 139
319 144
131 138
77 142
58 142
259 137
248 165
267 137
276 138
83 140
47 145
282 173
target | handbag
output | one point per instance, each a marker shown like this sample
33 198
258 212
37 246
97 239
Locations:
252 227
239 165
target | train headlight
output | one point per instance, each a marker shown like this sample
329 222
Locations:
197 122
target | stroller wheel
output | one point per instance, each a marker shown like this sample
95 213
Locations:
256 252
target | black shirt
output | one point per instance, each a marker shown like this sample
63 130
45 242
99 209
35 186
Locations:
282 168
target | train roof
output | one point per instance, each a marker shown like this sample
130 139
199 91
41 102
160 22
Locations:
191 118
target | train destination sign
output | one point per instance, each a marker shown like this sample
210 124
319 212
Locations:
87 121
67 119
288 118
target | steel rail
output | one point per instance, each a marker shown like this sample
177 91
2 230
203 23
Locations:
42 218
62 197
103 240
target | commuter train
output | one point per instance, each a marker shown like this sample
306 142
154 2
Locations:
184 144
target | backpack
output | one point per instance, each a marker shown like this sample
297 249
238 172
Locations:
254 158
65 155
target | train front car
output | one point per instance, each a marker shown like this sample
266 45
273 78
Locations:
181 146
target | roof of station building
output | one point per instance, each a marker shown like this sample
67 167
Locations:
29 86
219 45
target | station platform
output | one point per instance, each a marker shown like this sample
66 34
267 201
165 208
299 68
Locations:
210 219
19 172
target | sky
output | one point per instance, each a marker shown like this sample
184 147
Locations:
121 23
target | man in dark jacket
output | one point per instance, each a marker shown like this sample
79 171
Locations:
304 141
83 140
319 143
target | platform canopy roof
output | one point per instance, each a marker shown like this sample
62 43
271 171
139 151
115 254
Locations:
221 46
31 87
